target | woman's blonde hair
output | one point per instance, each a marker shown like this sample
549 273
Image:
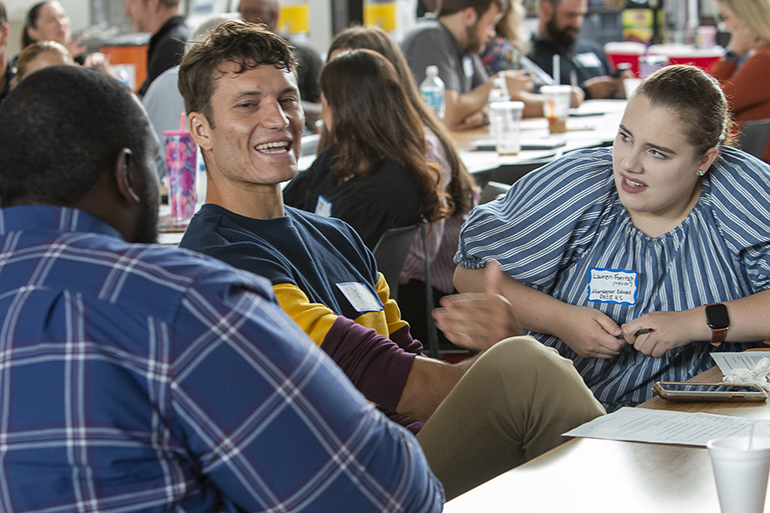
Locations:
755 13
32 51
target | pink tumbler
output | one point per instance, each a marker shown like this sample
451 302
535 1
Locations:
181 160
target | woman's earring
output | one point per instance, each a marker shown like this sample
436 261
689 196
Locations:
701 172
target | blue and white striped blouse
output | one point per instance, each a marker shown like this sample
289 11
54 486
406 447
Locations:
559 222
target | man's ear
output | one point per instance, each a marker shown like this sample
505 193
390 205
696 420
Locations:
546 10
469 16
200 130
123 176
4 31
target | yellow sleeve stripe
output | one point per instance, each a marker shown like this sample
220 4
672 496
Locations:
392 312
315 319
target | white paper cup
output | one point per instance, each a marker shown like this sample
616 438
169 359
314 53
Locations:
504 120
741 472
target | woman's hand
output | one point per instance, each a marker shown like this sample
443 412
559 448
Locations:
590 333
517 81
479 320
75 48
669 330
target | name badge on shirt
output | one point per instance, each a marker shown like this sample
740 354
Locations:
612 286
589 60
468 67
360 297
323 207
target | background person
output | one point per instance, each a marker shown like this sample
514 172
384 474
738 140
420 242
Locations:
670 211
41 55
560 23
6 70
374 175
452 42
309 62
48 21
443 234
744 71
163 19
505 52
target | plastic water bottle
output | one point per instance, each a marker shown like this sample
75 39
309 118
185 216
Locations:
432 90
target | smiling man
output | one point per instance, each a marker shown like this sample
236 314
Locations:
510 405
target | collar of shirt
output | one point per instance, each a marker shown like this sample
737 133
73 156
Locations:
172 22
52 218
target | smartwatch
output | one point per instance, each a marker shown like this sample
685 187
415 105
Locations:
731 56
718 321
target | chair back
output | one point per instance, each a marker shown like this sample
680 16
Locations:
390 253
753 137
510 173
492 190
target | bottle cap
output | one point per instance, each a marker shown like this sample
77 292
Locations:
431 70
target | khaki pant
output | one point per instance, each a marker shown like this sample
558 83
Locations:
512 405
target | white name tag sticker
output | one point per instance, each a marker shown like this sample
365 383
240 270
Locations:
468 67
360 297
589 60
612 286
323 207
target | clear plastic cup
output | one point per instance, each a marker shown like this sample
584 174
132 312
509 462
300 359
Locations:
505 120
556 106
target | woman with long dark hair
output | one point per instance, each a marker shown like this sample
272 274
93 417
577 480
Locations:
461 186
374 174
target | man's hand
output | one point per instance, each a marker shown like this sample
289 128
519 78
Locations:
516 82
590 333
669 330
605 87
576 97
478 320
475 120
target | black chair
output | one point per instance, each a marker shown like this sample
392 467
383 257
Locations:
753 137
509 173
390 253
491 191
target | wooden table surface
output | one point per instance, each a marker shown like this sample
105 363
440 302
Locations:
606 476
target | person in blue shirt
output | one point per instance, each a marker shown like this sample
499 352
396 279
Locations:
137 377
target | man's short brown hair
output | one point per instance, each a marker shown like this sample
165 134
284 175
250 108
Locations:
243 44
449 7
3 15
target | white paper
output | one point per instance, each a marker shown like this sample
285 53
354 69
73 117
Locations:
746 360
668 427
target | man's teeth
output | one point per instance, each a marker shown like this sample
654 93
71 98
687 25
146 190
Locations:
634 184
273 147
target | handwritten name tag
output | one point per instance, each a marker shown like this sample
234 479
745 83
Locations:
589 60
360 297
323 207
612 286
468 67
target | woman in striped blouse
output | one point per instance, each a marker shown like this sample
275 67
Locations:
614 254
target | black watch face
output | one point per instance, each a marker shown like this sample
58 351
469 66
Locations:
716 316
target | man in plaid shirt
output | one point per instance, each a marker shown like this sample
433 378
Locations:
135 377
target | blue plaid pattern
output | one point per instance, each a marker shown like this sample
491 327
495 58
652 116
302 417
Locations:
142 378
